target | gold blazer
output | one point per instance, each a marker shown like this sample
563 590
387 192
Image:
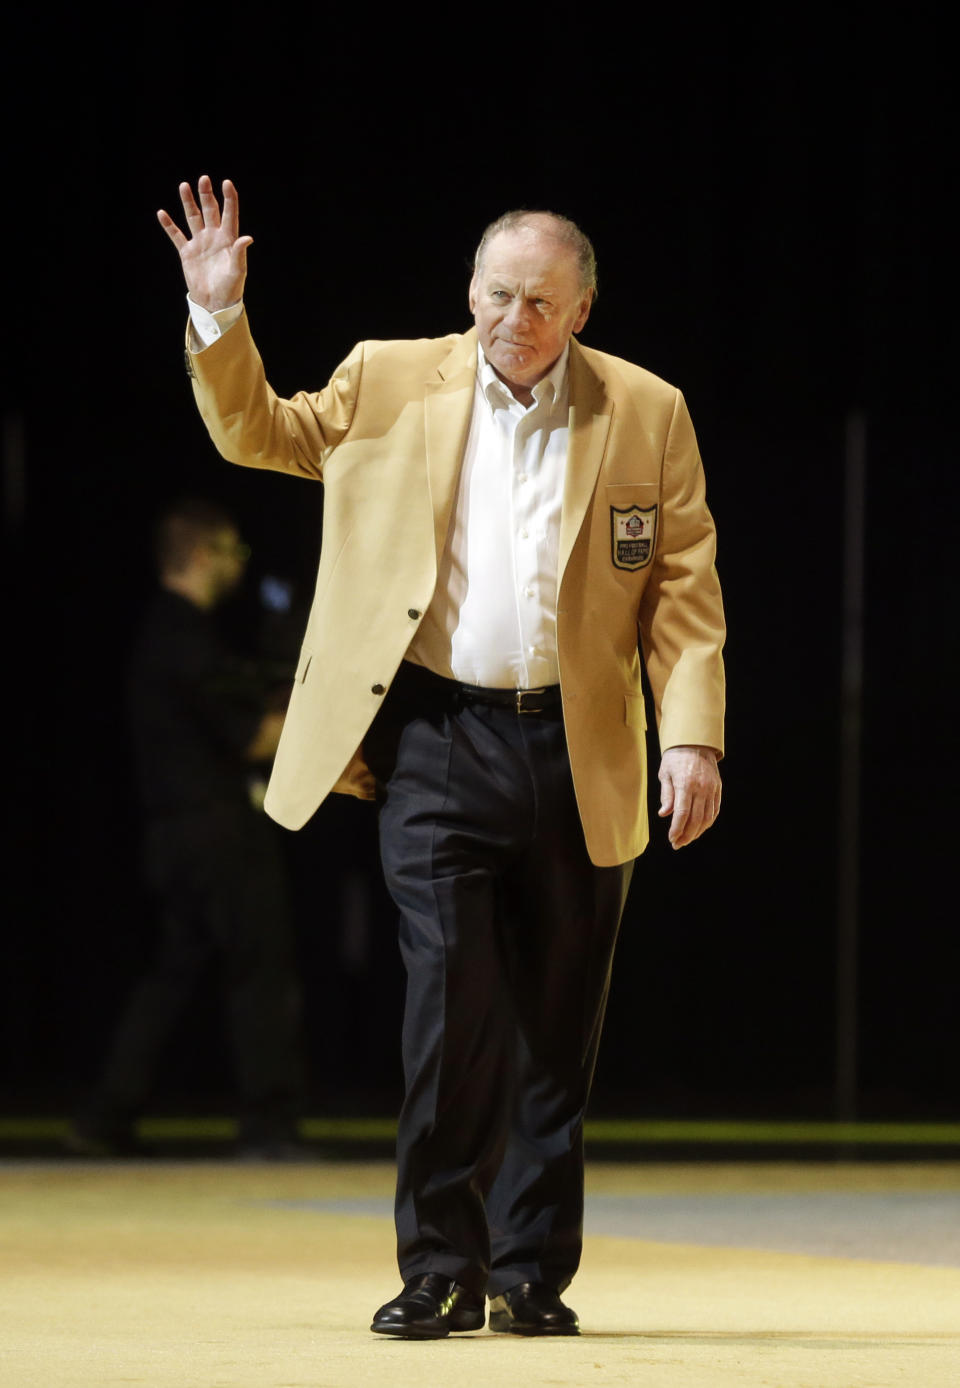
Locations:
637 545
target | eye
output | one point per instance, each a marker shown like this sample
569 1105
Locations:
498 294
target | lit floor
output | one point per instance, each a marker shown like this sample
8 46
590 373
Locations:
212 1275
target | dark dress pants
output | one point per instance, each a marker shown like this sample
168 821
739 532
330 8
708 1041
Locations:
507 932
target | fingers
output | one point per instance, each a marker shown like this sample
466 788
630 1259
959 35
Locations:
691 792
682 819
206 215
192 214
208 202
171 228
240 255
690 818
231 209
693 816
676 804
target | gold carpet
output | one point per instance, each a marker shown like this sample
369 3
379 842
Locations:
205 1275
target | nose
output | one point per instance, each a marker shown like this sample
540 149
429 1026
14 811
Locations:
518 313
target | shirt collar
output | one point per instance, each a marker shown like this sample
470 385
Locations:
549 391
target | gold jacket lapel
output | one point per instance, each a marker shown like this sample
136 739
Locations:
448 403
591 413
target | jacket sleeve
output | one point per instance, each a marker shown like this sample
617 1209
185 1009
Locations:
253 426
682 625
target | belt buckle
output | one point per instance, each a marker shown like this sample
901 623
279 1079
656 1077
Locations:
532 694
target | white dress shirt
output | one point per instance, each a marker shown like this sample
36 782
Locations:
493 617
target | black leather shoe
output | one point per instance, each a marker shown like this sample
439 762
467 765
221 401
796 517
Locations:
428 1308
532 1309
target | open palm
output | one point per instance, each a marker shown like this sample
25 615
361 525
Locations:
214 255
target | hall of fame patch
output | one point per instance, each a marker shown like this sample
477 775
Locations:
633 530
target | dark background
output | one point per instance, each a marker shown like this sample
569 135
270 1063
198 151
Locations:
769 201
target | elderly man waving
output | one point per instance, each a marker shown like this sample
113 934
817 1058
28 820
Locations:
512 522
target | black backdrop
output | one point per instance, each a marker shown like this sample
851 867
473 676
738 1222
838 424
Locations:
768 199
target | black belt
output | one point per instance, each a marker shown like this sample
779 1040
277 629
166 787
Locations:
416 685
521 700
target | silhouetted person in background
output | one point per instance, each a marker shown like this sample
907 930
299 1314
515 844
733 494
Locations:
201 726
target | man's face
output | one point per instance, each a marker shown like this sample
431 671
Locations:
227 558
526 300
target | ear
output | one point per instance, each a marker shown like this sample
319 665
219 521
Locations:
472 293
586 303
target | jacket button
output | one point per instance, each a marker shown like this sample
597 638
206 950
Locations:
412 612
377 689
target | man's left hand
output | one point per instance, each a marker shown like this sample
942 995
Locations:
689 791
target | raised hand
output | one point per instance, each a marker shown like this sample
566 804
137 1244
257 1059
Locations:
214 255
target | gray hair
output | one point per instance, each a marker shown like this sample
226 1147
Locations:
562 229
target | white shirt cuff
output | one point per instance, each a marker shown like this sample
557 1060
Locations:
206 327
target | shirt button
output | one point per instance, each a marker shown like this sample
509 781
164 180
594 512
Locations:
524 533
528 592
377 689
521 477
412 612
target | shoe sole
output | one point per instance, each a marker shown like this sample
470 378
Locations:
465 1323
412 1332
502 1324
